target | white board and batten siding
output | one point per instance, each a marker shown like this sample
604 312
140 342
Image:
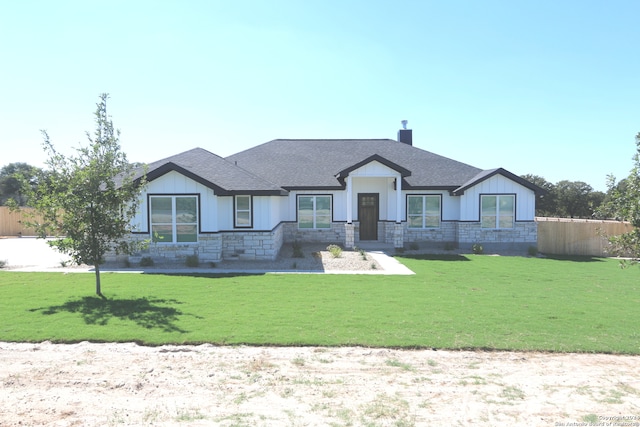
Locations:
216 212
175 184
266 212
374 169
262 210
497 184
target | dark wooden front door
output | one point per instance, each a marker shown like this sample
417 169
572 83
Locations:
368 210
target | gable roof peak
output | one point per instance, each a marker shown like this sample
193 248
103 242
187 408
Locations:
213 171
488 173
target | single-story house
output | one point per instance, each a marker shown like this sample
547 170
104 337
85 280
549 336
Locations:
346 191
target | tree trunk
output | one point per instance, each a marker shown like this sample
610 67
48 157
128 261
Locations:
98 289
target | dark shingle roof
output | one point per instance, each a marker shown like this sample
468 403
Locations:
211 170
486 174
317 163
286 164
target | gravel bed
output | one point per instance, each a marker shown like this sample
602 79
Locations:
315 257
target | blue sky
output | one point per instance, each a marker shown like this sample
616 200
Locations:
544 87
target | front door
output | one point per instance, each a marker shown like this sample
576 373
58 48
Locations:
368 209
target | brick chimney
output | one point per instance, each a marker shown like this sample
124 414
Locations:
405 135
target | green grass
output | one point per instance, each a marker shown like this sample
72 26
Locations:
454 302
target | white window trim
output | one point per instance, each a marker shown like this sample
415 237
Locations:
173 223
424 214
236 211
496 225
314 197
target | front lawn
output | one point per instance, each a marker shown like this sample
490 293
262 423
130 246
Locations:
454 302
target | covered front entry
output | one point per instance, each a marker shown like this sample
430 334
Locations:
368 215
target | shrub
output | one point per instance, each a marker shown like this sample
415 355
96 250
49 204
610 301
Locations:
533 251
335 251
146 261
3 263
192 260
477 249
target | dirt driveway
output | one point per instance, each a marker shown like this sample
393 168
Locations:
30 252
126 384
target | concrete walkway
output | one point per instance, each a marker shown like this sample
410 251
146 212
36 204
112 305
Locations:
389 264
29 254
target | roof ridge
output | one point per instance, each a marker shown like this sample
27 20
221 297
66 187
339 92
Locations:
333 139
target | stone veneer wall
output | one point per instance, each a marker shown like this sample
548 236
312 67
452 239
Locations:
392 233
447 232
335 234
208 248
266 245
253 245
250 245
523 235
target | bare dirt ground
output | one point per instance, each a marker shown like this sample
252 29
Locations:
89 384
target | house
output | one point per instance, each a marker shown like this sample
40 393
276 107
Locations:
332 191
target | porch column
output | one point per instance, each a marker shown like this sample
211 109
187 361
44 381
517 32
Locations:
349 230
349 236
398 199
398 232
349 200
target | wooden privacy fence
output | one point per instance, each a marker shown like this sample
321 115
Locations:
11 223
568 236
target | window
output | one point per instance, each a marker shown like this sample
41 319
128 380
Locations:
497 211
314 211
174 219
423 211
243 211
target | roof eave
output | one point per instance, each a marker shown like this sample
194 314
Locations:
314 188
378 158
280 192
499 171
171 167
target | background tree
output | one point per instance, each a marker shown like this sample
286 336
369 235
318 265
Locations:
546 204
573 199
89 198
13 178
623 203
595 199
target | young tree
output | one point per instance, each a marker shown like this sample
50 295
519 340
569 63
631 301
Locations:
89 198
623 203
